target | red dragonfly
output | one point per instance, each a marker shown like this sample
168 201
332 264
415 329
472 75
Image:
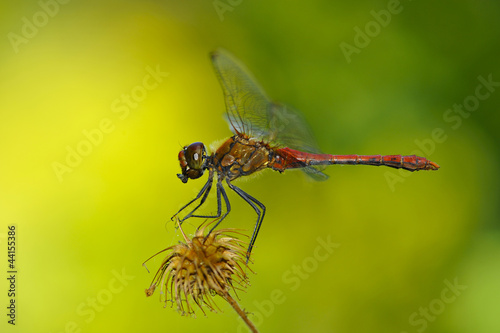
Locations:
266 135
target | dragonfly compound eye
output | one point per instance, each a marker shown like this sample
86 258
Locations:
195 155
191 160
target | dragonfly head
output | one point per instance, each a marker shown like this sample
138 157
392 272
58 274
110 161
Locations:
192 160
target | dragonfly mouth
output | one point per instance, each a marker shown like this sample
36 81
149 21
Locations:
182 177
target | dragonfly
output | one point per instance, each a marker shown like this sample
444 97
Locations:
266 135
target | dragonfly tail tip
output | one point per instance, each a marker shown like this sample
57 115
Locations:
433 166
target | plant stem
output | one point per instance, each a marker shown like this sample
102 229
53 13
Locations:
240 312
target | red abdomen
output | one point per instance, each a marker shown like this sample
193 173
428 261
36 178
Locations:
287 158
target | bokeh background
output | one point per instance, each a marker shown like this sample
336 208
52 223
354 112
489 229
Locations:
403 238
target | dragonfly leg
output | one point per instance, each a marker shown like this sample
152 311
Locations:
204 192
260 214
220 191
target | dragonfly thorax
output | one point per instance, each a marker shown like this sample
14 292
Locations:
192 160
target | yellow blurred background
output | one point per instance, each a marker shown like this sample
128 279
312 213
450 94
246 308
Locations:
126 84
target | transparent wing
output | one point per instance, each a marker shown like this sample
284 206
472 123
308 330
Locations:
250 112
247 105
290 130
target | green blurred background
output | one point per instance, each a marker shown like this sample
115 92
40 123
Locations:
404 237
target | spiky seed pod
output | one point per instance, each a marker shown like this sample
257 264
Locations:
201 268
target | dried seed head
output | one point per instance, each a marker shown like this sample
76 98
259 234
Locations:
201 268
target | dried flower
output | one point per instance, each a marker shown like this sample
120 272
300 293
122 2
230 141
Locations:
201 268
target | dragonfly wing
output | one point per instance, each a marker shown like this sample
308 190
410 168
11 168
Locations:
290 129
314 173
247 105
